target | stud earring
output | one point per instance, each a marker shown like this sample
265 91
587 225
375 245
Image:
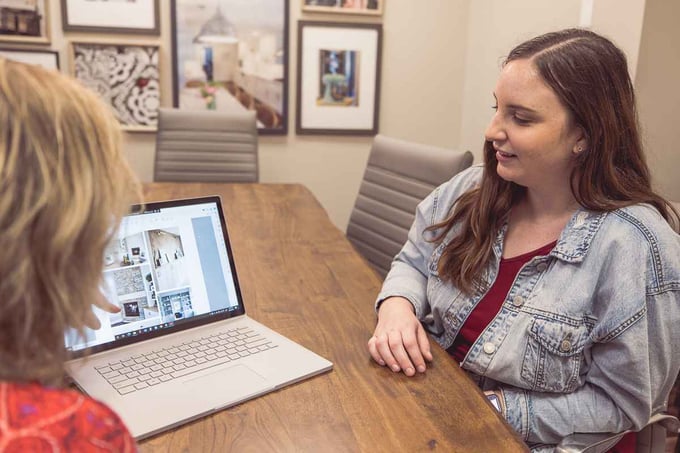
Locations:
579 149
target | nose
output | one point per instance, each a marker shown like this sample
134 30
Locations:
495 132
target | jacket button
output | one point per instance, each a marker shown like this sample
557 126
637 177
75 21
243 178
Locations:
565 346
518 301
489 348
541 267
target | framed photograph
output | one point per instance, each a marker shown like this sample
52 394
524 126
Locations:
24 21
126 76
373 7
232 55
48 59
111 16
338 85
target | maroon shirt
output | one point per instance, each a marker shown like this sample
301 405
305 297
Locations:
491 303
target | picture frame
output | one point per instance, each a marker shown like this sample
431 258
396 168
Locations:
48 59
140 17
126 76
367 7
338 84
232 55
25 22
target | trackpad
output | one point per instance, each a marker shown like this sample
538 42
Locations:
229 384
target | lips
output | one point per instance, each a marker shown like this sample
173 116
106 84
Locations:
505 154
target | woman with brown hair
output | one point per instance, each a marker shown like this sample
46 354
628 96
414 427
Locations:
64 185
552 272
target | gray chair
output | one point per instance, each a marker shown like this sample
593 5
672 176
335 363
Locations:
206 146
650 439
398 176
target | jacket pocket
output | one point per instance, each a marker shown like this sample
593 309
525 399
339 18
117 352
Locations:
553 355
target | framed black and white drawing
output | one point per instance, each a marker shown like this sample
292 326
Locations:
338 85
126 76
24 21
111 16
48 59
232 55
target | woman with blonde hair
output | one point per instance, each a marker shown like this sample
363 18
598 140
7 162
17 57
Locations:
64 185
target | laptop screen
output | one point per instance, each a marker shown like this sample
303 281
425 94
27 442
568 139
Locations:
169 267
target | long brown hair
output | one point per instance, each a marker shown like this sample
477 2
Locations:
589 75
65 183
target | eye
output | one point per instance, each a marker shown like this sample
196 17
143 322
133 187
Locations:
494 107
520 121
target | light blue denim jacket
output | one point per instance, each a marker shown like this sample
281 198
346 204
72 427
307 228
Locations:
588 337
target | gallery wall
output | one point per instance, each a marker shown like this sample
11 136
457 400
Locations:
440 60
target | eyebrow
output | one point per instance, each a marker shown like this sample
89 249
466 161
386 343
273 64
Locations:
518 106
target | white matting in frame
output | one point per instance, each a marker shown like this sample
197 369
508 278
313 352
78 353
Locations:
317 117
137 16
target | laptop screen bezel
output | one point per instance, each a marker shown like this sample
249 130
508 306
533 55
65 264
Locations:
139 209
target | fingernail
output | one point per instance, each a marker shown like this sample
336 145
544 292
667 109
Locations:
410 371
421 369
395 367
381 362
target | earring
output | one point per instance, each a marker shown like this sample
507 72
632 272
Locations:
579 149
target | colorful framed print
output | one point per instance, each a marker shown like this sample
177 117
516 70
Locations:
111 16
24 21
232 55
126 76
338 85
372 7
48 59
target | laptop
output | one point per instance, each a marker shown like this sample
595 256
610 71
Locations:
182 346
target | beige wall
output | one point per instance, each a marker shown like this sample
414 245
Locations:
658 93
440 62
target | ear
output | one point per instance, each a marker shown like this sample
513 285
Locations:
582 142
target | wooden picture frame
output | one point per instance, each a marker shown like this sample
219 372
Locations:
25 24
126 76
338 85
140 17
366 7
232 55
48 59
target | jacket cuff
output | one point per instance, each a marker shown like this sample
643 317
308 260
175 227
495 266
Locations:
517 410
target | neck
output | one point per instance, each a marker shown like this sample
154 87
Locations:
544 205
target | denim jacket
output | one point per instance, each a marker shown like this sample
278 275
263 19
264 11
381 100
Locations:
587 339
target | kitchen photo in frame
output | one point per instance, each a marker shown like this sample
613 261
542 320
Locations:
110 16
232 55
24 21
372 7
338 85
125 76
48 59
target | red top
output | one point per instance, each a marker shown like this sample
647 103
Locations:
491 303
41 419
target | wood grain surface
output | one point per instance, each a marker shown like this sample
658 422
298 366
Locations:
300 276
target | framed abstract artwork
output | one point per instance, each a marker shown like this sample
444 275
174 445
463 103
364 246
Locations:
338 85
372 7
109 16
232 55
48 59
126 76
24 21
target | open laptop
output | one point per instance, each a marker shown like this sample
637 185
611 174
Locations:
182 345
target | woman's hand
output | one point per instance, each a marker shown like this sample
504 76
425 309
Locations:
91 319
399 340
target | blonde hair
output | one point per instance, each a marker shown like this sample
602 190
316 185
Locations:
64 185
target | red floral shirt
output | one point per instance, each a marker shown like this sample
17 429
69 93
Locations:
41 419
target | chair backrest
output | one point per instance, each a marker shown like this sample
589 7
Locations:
206 146
399 174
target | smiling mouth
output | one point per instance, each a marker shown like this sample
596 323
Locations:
504 154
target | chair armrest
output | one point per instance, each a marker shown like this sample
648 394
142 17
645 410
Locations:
601 442
589 442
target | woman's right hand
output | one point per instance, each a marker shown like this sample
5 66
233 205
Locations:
399 340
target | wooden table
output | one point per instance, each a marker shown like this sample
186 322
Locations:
300 276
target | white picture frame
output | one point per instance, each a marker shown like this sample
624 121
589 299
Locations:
48 59
102 16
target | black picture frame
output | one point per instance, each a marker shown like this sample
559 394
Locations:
343 101
230 81
48 59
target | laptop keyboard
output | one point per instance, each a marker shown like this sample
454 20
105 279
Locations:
146 370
